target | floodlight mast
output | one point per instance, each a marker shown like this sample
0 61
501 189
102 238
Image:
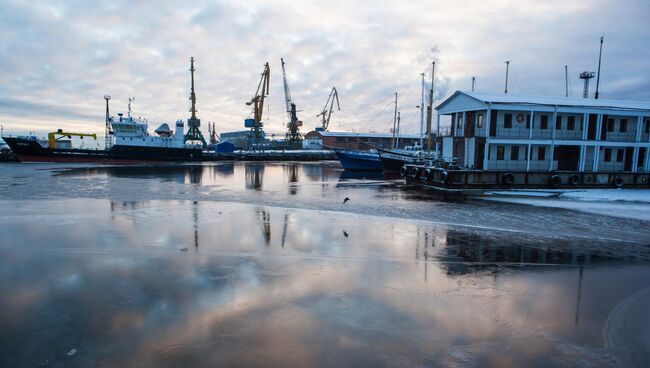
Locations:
108 133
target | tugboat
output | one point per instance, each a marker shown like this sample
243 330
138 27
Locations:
127 141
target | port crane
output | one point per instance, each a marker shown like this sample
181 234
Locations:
327 111
293 136
193 134
258 107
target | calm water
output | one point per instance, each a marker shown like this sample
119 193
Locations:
263 265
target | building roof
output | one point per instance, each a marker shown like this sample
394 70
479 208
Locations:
509 99
365 135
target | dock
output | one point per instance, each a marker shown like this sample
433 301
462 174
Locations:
271 155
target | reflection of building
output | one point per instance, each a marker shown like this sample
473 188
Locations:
464 253
348 140
254 173
224 169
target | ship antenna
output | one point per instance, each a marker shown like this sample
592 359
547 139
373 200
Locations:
507 65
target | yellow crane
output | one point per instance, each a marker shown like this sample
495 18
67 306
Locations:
258 105
52 137
327 111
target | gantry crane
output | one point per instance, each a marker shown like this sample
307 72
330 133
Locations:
293 136
258 107
327 111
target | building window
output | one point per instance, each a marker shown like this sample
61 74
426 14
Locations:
460 122
528 122
571 123
558 123
541 153
647 126
543 124
514 153
608 154
500 152
479 121
507 121
526 152
623 126
610 125
619 155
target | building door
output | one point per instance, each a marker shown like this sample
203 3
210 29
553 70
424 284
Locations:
493 124
603 128
480 154
591 126
629 153
469 124
641 160
567 158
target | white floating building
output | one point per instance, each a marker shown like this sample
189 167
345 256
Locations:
509 133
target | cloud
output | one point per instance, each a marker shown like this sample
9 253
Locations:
61 59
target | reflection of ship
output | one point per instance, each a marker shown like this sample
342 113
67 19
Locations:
358 160
127 140
368 175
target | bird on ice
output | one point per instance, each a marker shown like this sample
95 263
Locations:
346 200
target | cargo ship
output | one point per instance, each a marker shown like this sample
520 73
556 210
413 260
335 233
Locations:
127 140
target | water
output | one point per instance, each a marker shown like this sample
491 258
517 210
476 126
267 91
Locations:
254 264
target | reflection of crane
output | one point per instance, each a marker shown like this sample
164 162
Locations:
258 106
327 111
293 134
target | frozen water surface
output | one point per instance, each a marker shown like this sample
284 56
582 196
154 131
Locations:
254 264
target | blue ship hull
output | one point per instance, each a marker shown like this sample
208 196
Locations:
359 160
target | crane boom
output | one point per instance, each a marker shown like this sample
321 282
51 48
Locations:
258 104
293 135
326 114
287 95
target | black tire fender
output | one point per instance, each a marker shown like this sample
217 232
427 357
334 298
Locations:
508 179
619 182
555 181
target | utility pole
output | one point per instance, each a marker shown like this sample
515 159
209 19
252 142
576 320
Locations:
422 114
600 56
507 65
473 83
395 122
566 81
430 107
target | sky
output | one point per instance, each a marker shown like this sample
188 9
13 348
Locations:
58 59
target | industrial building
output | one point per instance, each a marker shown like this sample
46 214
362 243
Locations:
355 141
